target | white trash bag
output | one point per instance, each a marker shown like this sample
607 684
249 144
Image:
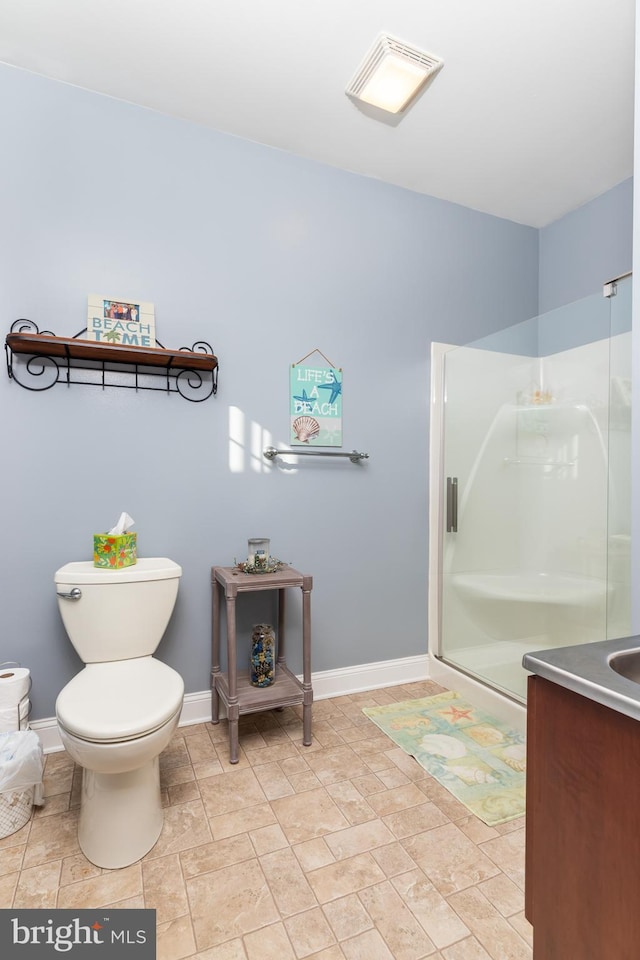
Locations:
21 767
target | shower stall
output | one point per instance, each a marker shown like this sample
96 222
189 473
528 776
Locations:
530 509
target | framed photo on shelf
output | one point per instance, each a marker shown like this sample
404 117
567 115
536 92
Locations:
117 320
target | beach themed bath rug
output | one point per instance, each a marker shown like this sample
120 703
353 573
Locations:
476 757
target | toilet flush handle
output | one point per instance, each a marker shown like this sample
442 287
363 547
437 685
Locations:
73 594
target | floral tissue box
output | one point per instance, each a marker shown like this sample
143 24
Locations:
115 551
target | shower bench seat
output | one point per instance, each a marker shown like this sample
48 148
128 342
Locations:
531 587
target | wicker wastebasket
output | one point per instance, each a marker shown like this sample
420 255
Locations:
21 766
15 810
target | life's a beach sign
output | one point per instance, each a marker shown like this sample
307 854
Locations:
315 406
121 322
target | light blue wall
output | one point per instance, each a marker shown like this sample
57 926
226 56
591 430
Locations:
267 256
587 247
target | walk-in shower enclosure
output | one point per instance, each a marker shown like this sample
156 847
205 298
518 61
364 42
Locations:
530 489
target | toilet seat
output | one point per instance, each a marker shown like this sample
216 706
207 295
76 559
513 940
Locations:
119 700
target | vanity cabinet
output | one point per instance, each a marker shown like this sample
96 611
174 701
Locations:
582 881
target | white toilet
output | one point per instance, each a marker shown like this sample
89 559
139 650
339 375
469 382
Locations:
118 714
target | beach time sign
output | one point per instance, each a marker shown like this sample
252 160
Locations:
315 406
121 322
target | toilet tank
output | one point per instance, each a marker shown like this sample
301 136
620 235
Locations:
120 614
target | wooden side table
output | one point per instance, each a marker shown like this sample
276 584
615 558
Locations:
234 687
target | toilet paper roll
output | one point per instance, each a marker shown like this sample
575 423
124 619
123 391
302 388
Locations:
14 685
15 718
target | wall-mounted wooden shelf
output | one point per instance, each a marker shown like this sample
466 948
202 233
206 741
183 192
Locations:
190 372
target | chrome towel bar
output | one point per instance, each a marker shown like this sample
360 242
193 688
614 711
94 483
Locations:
271 453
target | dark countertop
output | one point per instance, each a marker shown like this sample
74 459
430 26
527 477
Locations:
584 668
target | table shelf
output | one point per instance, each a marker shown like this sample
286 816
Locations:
234 687
285 691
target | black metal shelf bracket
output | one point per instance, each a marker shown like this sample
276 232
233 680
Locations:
41 371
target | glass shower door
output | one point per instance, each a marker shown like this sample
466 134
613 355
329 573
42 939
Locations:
525 539
619 560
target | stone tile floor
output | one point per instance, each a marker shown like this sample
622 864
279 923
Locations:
343 849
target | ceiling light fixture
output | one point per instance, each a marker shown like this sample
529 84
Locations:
392 74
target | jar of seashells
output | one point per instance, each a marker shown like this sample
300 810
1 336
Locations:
262 665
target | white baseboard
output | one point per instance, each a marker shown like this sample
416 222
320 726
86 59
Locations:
328 683
369 676
47 730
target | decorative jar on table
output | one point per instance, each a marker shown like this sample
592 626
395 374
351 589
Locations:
263 655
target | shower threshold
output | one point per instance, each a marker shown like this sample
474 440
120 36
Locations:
485 681
497 664
492 698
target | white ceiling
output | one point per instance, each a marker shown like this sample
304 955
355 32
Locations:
530 117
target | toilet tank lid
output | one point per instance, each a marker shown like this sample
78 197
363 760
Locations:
147 568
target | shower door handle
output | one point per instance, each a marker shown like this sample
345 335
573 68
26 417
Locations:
452 504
